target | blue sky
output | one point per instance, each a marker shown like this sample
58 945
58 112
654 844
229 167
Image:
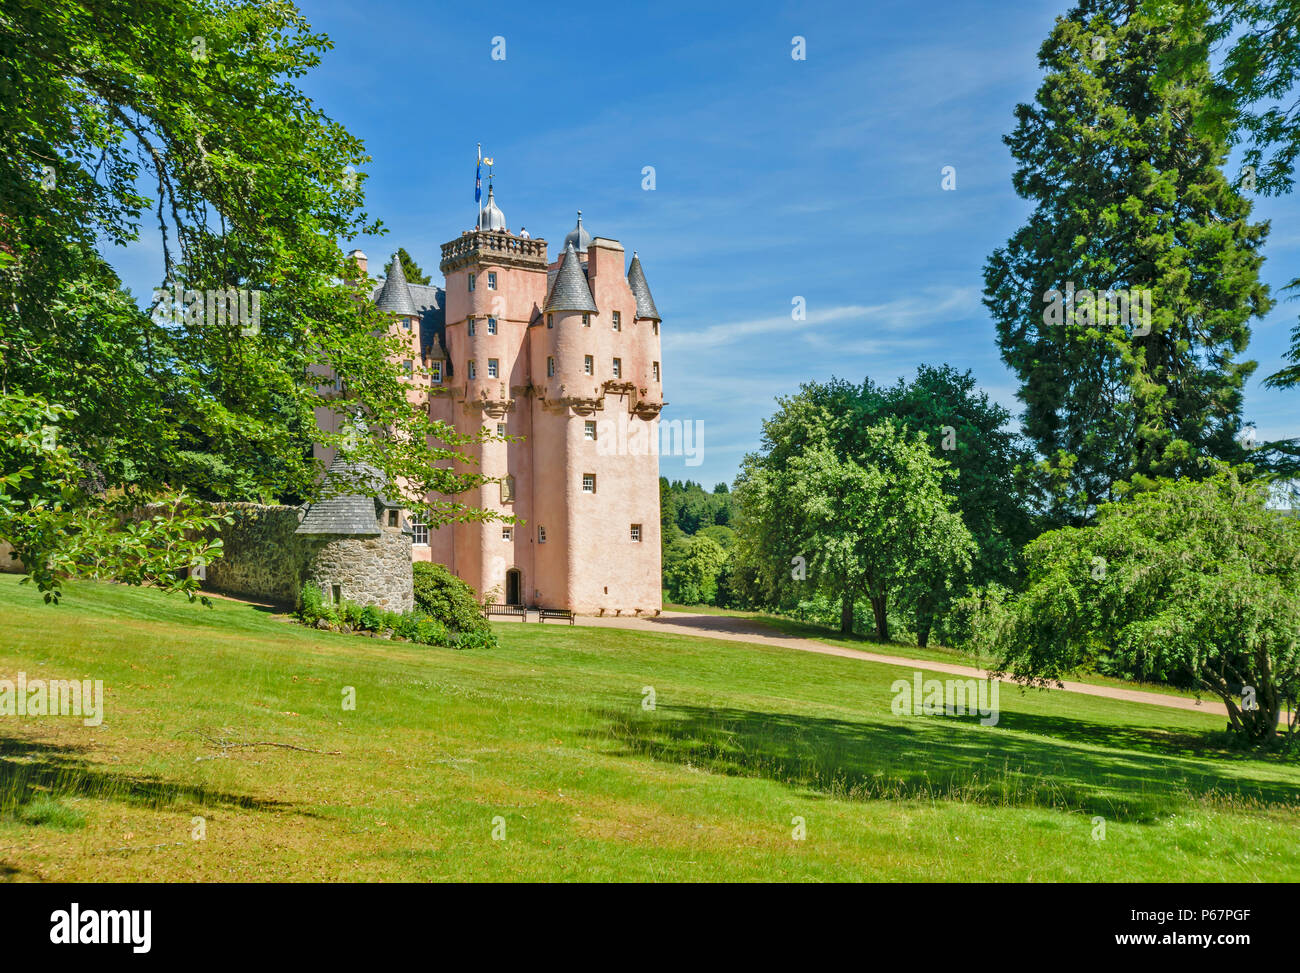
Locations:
775 178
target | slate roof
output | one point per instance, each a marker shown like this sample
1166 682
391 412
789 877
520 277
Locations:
571 292
394 295
349 513
645 304
429 303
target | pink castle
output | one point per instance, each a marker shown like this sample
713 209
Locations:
565 356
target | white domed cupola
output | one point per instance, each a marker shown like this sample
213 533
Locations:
578 237
490 216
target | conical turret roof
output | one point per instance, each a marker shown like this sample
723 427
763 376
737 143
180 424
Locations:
571 292
395 297
645 304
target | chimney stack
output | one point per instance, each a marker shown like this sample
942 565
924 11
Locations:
360 258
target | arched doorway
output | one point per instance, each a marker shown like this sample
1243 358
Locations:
514 587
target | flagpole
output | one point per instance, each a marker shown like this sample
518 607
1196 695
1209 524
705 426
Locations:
478 194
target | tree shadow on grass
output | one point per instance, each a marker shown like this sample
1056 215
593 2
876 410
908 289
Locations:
930 758
29 769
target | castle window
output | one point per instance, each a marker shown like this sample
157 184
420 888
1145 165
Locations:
470 321
618 322
589 429
492 368
492 280
473 369
588 482
392 518
507 533
656 370
336 593
471 281
655 326
419 533
550 320
435 371
541 534
550 366
636 533
508 489
618 368
588 365
492 325
586 320
409 365
406 324
501 428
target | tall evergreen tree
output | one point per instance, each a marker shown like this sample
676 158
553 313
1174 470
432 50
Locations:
1130 198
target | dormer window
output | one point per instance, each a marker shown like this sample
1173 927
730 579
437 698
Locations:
392 518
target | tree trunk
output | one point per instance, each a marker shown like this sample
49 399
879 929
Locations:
923 622
882 618
846 613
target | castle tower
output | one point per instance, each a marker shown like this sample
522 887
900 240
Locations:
557 365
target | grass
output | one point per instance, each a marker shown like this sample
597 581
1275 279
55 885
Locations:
783 625
549 738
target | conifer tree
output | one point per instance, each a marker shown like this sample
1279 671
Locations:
1131 204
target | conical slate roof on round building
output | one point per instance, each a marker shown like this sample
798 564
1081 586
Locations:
351 512
571 292
395 296
645 304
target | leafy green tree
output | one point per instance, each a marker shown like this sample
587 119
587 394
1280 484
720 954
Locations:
691 569
446 598
251 188
878 524
1129 197
414 275
1191 582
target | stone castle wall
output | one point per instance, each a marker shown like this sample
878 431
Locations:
261 557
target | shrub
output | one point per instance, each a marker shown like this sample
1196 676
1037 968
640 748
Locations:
312 606
447 599
433 632
350 612
372 618
476 640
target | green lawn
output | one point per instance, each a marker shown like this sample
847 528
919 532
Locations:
547 737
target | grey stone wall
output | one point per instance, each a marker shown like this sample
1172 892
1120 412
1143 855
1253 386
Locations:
261 557
368 570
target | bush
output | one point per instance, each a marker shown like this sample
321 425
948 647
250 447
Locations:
476 640
447 599
312 606
372 618
350 613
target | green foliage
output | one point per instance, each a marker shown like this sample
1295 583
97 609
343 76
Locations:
254 187
691 569
445 597
869 517
1196 583
1129 196
414 275
60 530
476 640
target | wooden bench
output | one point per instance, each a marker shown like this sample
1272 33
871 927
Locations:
514 610
561 613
